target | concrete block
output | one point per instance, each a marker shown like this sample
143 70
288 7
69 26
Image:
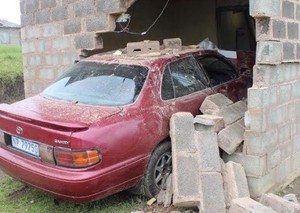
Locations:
46 74
279 204
173 43
84 8
262 97
214 103
51 30
235 182
288 9
96 23
208 151
279 29
72 26
212 193
144 47
293 31
263 28
110 7
209 120
87 41
185 181
247 205
289 51
257 120
257 143
265 8
259 185
169 191
230 138
59 13
42 16
233 112
255 166
182 132
31 6
26 20
48 3
277 116
268 52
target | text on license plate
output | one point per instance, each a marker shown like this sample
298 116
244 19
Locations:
25 146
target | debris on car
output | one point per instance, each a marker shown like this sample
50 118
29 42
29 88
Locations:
103 126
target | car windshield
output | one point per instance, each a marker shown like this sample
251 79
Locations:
99 84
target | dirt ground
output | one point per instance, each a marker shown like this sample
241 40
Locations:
292 188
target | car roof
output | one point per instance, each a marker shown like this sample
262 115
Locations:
119 57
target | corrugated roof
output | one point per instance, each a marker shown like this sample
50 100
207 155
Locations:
4 23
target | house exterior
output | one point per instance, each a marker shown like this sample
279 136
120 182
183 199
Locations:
10 33
56 33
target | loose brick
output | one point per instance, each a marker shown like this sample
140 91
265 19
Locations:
169 191
207 121
212 193
182 132
208 151
247 205
185 180
235 182
230 138
233 112
143 47
279 204
214 103
255 166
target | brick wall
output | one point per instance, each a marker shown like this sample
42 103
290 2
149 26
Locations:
54 32
271 153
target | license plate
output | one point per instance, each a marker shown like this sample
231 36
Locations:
25 146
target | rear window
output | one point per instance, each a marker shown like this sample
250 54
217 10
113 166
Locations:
99 84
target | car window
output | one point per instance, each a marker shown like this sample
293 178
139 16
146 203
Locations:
99 84
218 70
181 78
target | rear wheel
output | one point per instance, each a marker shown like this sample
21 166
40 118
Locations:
158 169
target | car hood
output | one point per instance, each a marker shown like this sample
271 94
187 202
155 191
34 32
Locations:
57 111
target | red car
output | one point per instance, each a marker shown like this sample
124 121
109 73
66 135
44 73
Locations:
103 126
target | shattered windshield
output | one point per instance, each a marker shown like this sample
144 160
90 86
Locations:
99 84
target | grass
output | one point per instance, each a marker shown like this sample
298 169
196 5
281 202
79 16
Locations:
10 62
16 198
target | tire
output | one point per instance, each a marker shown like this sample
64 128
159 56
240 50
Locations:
158 169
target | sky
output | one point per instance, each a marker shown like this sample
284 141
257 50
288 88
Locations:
10 10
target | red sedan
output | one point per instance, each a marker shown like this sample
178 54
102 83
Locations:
103 126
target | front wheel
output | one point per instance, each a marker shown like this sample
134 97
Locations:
158 169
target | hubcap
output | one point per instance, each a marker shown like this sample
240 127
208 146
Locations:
162 169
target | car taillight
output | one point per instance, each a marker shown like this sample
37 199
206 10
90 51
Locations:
2 139
76 159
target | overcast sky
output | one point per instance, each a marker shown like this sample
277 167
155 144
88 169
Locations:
10 10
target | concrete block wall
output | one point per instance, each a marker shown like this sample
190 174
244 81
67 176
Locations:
55 31
272 139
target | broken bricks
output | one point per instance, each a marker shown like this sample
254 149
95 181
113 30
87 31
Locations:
247 205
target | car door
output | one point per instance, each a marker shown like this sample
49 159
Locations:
185 85
223 76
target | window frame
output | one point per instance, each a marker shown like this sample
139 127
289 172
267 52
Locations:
167 66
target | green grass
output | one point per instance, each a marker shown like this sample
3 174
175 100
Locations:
10 62
17 198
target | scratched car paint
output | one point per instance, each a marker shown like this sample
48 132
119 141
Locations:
103 126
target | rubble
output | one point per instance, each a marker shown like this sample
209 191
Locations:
247 205
279 204
214 103
291 198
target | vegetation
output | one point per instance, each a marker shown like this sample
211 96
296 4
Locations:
10 62
16 197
